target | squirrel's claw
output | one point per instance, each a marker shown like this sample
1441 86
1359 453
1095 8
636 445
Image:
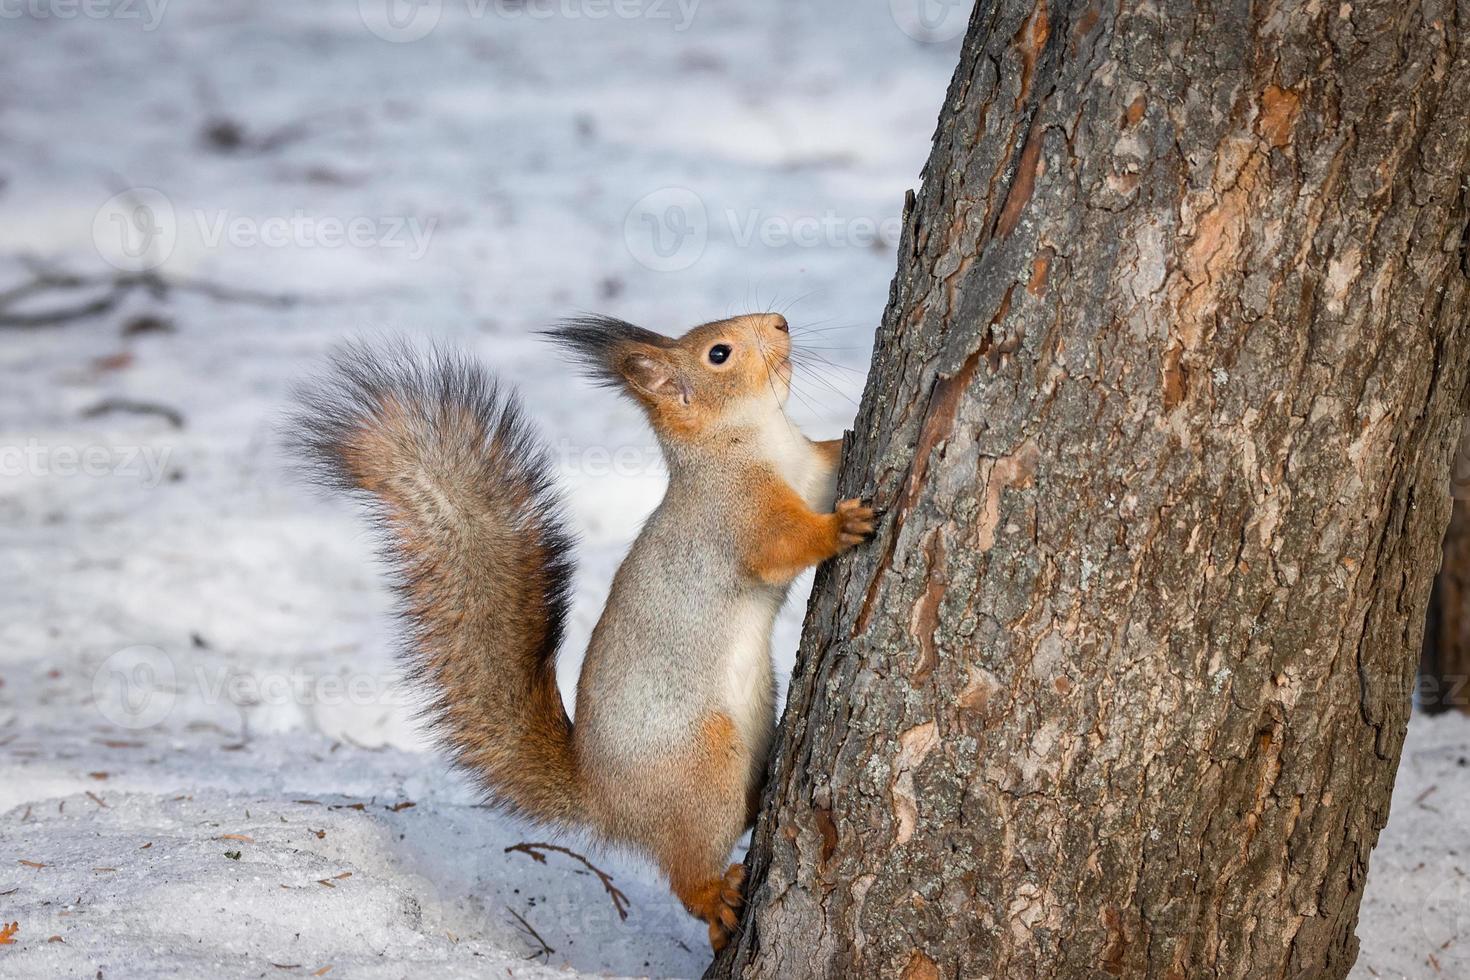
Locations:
856 521
723 913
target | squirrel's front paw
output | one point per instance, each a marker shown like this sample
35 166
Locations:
855 522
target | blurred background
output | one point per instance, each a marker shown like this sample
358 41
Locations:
196 201
198 205
206 759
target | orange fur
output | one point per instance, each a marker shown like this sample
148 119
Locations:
533 761
716 901
682 391
471 527
712 792
793 537
831 450
687 812
466 498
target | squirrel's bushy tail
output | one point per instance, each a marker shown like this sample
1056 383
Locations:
463 491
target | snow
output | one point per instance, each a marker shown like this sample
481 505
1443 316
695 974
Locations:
1415 920
195 652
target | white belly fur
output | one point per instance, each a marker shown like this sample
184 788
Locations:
750 689
749 683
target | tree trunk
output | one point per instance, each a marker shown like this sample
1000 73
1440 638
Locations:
1162 410
1444 673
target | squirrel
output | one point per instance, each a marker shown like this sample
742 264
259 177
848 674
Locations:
675 707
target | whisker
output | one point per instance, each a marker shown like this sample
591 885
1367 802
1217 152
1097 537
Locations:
836 391
752 287
838 333
812 370
818 370
791 305
815 350
815 360
770 377
802 398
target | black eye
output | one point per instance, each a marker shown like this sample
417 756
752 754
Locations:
719 353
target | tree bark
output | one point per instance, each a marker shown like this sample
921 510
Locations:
1162 409
1444 672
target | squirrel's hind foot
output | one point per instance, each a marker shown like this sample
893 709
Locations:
718 902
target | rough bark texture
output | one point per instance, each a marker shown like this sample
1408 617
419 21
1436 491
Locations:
1163 408
1444 673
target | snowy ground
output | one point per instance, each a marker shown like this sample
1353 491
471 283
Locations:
206 765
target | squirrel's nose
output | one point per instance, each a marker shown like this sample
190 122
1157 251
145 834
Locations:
779 322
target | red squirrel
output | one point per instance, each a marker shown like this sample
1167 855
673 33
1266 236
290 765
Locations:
675 706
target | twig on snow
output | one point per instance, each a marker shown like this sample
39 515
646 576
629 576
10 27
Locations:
118 287
530 931
619 900
173 416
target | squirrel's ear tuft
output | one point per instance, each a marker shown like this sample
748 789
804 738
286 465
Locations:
617 354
